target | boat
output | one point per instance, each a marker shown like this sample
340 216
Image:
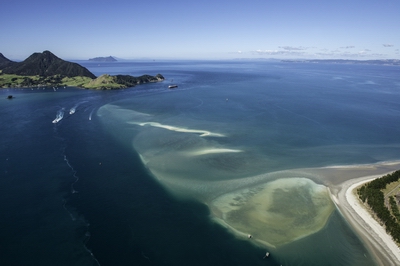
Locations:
172 86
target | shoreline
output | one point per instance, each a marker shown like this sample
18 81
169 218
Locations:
340 181
380 244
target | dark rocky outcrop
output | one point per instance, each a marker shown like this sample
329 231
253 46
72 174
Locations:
5 62
46 64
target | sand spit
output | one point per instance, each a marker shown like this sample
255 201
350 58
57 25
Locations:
374 235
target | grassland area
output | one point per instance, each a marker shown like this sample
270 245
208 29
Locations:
104 82
17 81
392 195
391 189
11 80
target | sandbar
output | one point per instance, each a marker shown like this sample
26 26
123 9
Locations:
211 151
202 133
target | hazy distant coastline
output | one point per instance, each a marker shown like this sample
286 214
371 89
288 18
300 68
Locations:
395 62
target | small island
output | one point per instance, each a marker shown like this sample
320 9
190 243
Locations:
103 59
46 69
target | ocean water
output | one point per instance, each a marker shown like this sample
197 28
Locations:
143 176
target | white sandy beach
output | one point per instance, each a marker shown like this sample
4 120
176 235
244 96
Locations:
380 243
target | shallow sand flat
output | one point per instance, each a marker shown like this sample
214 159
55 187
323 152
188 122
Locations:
211 151
381 244
202 133
335 176
276 212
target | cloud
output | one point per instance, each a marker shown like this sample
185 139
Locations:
237 52
292 48
366 53
269 52
348 47
387 45
277 52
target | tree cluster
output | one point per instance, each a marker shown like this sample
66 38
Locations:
371 193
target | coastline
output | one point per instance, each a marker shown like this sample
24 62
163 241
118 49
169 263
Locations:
341 181
381 244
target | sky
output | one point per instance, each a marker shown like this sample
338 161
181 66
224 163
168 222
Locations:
206 29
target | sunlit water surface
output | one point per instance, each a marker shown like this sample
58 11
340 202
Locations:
154 176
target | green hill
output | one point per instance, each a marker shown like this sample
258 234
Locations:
46 64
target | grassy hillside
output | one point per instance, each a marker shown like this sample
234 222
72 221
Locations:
104 82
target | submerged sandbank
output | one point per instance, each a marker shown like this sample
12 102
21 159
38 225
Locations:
277 212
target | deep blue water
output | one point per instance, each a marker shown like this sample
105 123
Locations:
77 192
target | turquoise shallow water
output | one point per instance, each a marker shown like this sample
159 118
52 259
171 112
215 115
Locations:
126 179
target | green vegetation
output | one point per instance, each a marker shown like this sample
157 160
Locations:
76 81
103 82
372 194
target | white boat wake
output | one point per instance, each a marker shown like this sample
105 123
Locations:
73 109
59 116
91 113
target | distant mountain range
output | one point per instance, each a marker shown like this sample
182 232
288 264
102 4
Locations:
103 59
46 69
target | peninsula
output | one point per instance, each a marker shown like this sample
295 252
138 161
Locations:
46 69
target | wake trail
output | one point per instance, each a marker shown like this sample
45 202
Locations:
87 238
73 109
59 115
74 217
91 113
73 191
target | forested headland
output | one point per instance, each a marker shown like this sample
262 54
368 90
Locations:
384 202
